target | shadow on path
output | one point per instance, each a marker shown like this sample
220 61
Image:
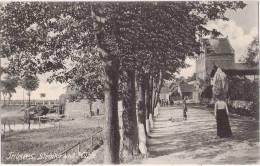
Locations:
195 141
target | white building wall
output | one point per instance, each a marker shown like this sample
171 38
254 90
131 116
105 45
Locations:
77 109
82 108
165 96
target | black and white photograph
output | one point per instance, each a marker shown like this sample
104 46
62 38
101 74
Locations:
129 82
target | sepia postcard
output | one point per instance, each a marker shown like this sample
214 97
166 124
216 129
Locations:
129 82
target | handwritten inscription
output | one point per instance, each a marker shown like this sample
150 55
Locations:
44 156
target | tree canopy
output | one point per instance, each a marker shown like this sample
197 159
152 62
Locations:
9 85
252 56
40 37
30 83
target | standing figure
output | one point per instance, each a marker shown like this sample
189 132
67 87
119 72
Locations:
28 116
97 111
62 104
185 109
221 114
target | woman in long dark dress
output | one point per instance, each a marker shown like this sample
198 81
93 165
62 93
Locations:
221 114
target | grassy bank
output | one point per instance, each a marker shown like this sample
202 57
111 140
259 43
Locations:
27 147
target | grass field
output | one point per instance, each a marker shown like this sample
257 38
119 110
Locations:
26 147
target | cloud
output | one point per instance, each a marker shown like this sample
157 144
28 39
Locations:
237 36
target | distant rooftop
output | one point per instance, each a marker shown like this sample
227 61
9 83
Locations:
165 89
186 87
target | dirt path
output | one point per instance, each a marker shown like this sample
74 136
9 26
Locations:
194 141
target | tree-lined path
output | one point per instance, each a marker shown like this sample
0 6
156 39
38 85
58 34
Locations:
111 51
194 141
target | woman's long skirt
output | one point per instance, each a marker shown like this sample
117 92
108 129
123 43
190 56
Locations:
223 126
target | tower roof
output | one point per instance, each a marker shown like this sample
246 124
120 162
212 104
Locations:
218 45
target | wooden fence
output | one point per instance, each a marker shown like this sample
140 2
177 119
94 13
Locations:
84 147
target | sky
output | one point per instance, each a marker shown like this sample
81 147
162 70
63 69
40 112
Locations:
241 28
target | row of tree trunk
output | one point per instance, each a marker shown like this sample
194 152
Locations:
139 98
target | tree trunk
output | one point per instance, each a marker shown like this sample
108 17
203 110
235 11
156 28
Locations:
29 122
90 107
29 98
111 65
157 90
9 99
4 99
130 132
28 118
141 107
111 130
151 111
151 84
147 102
147 96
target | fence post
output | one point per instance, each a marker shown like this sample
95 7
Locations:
9 126
29 124
39 122
78 149
4 127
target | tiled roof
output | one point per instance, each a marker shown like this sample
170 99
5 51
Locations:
237 68
218 45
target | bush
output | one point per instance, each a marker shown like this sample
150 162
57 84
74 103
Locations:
244 90
31 112
244 108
